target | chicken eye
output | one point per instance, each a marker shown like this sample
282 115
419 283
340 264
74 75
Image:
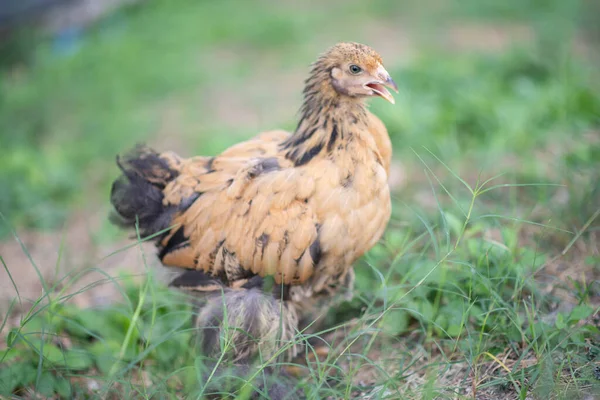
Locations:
355 69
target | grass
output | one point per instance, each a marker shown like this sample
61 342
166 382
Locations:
484 286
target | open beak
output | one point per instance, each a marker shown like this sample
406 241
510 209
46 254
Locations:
383 81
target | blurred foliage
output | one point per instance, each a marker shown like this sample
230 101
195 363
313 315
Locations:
56 341
65 113
507 102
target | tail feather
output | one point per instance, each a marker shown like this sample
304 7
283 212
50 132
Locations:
137 195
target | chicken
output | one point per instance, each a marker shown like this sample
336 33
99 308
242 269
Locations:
292 209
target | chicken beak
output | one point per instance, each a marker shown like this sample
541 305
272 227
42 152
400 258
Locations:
389 82
379 86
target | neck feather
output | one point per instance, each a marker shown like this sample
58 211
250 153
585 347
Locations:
326 119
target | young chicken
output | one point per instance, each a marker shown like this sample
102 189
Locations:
300 207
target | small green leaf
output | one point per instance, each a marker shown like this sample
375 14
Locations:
593 261
109 347
510 237
428 271
441 324
9 354
189 377
46 383
12 337
455 224
531 260
426 309
165 353
580 312
454 330
477 313
421 309
29 374
514 334
377 252
86 323
63 387
591 329
78 359
16 375
8 380
395 322
74 359
53 354
105 363
35 324
105 354
560 321
394 239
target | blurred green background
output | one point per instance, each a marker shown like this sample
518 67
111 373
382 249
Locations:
486 85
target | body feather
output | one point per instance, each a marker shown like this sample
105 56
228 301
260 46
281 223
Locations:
300 207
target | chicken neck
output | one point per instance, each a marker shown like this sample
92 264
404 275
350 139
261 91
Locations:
328 120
